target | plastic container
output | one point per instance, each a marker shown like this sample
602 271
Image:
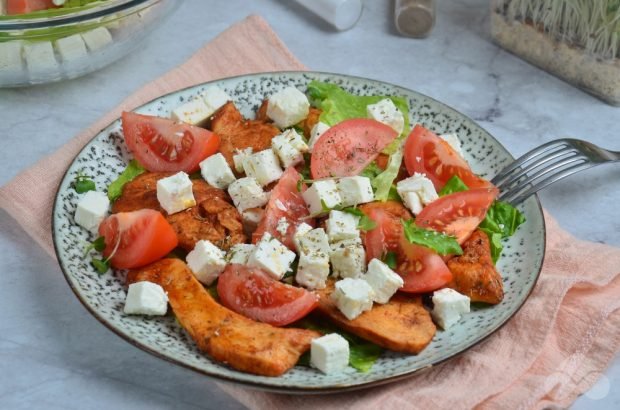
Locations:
43 50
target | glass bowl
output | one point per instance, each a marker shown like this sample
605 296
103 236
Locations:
42 50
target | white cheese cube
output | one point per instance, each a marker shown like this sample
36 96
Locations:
11 63
412 201
272 256
146 298
240 253
383 281
387 113
355 190
448 306
40 58
453 141
329 353
419 185
282 226
287 107
216 172
215 98
71 48
247 193
207 261
352 297
194 112
348 258
263 166
318 130
97 39
290 147
239 156
341 226
302 229
313 267
319 193
91 210
251 218
175 194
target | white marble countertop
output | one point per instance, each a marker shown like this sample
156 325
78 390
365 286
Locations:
53 354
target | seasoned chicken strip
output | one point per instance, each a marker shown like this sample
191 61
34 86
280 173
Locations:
224 335
235 132
401 325
474 272
214 218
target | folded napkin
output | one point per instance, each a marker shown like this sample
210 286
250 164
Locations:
554 349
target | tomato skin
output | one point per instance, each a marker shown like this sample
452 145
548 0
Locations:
458 214
254 294
426 153
27 6
422 270
163 145
348 147
145 237
286 202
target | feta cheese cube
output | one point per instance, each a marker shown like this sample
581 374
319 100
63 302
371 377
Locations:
216 172
194 112
387 113
282 226
240 253
71 48
272 256
215 98
251 218
341 226
329 353
355 190
319 193
263 166
146 298
287 107
313 267
97 39
11 63
290 147
207 261
383 281
448 306
318 130
453 140
302 229
40 59
91 210
412 201
239 156
348 258
247 193
175 194
420 185
352 297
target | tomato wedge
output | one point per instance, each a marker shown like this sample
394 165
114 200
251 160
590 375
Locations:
137 238
348 147
284 202
422 270
163 145
27 6
458 214
254 294
428 154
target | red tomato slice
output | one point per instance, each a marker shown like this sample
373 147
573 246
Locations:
422 270
163 145
137 238
284 202
27 6
458 214
254 294
428 154
348 147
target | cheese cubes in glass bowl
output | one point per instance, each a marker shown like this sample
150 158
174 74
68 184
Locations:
60 44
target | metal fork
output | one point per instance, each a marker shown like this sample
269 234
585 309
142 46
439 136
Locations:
547 164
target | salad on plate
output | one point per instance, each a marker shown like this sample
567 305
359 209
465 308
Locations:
322 232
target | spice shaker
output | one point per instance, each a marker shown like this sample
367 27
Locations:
342 14
414 18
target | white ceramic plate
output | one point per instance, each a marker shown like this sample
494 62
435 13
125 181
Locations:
106 156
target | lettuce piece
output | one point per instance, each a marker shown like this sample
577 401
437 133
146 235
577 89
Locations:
454 184
115 189
439 242
383 183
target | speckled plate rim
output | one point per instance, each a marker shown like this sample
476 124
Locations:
259 385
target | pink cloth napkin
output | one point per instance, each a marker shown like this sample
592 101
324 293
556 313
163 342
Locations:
553 350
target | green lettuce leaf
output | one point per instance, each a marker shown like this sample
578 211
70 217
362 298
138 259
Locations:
454 184
116 187
383 182
439 242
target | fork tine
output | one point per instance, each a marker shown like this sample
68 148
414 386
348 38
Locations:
528 156
523 192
